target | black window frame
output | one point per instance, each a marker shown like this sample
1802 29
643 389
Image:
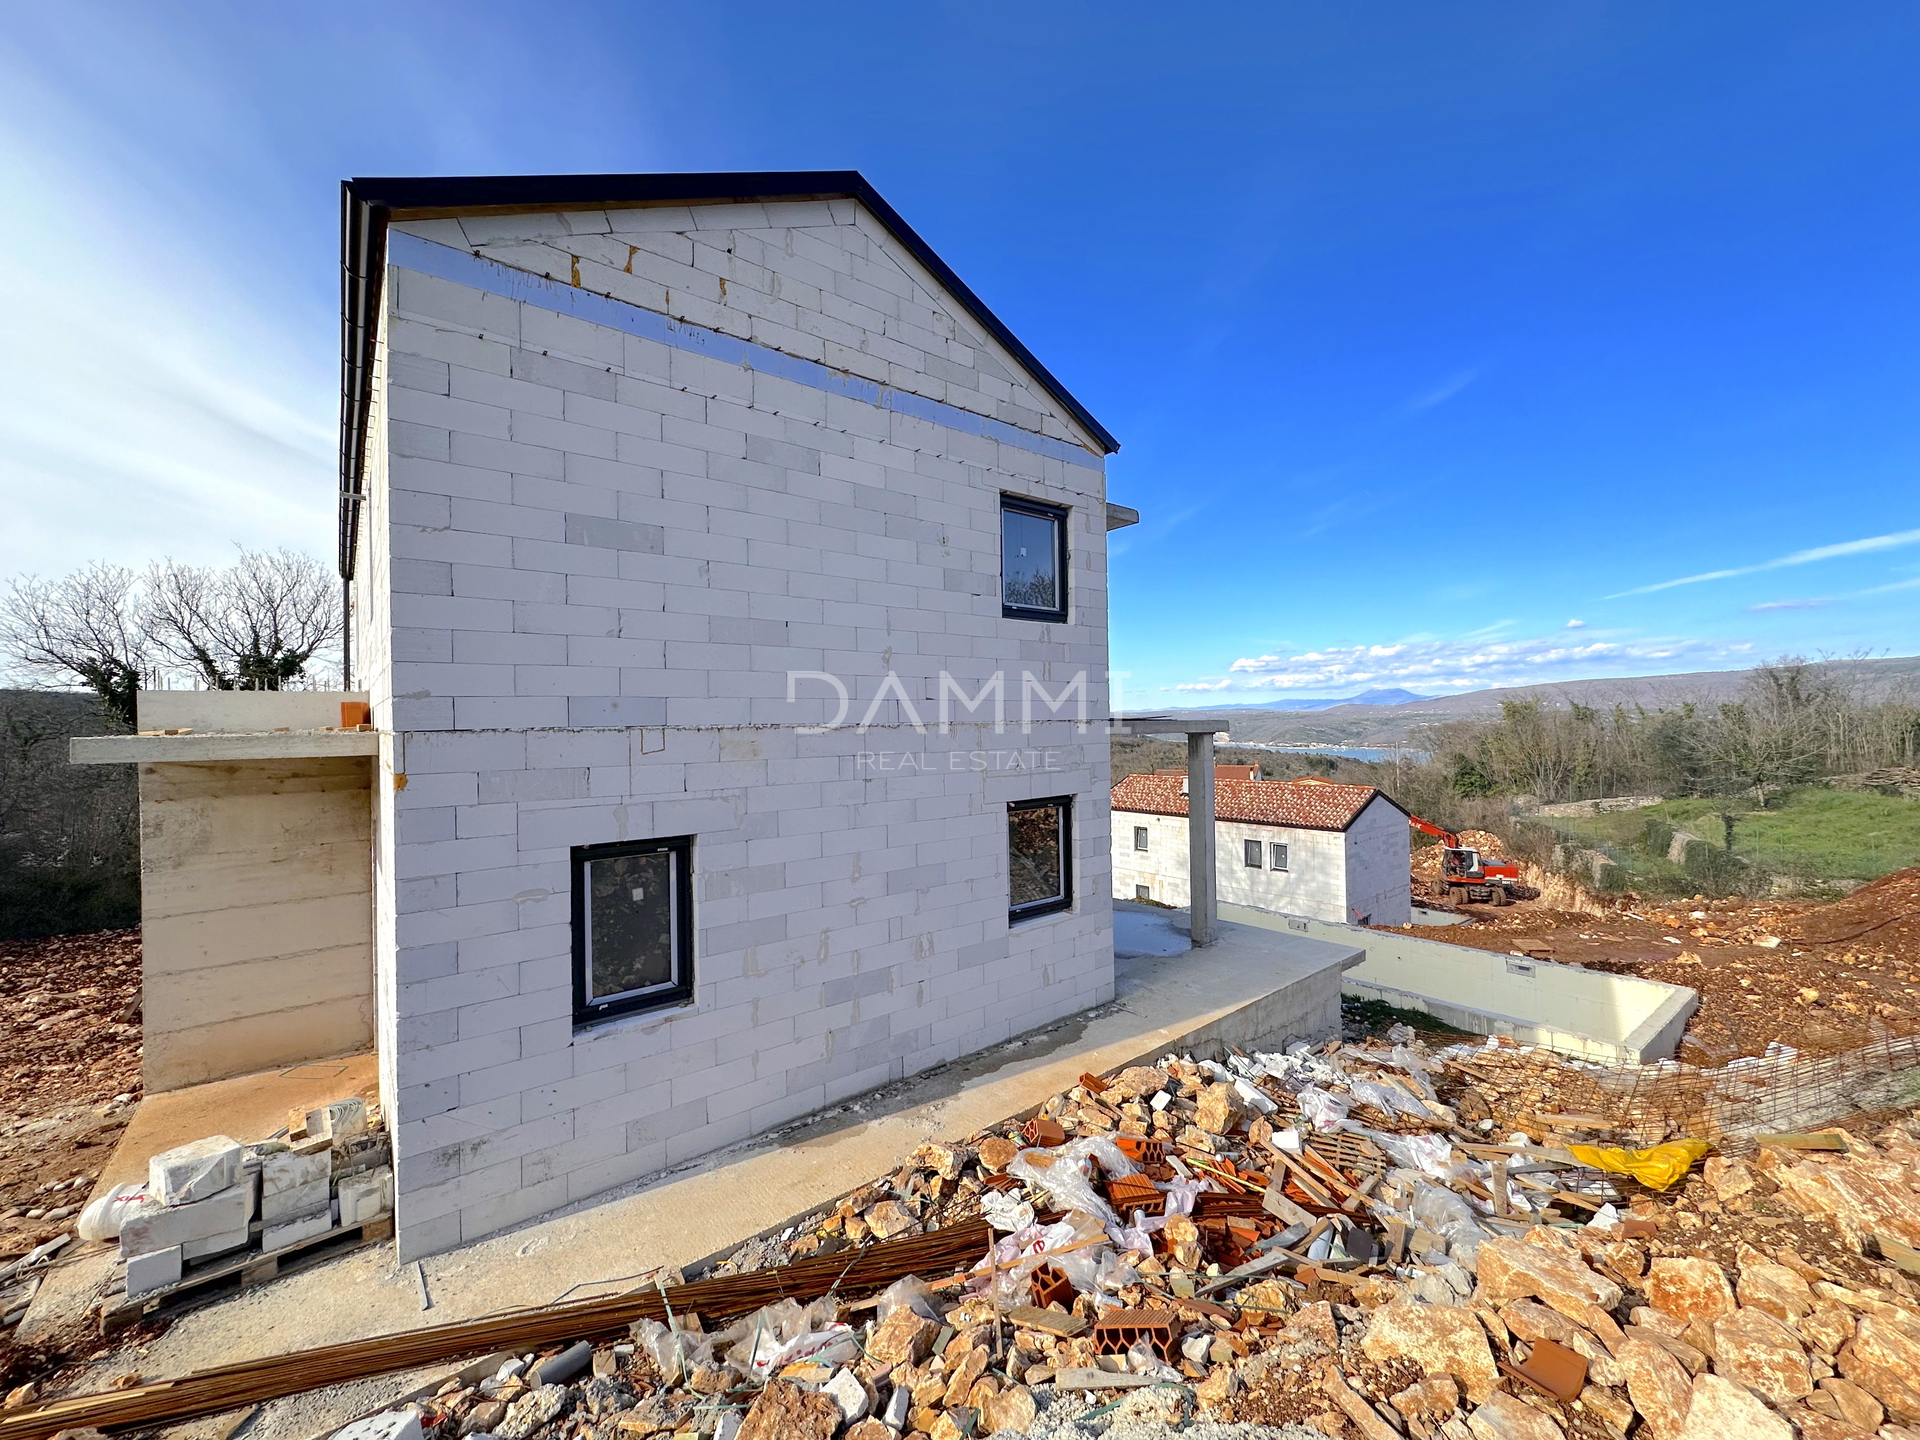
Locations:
588 1013
1279 856
1034 909
1255 849
1040 509
1143 892
1140 837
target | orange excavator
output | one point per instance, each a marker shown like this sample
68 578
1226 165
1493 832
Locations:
1468 877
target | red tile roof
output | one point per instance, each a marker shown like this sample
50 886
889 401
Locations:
1295 804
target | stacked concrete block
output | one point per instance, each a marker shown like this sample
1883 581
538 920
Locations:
266 1197
197 1227
592 558
366 1196
295 1187
194 1171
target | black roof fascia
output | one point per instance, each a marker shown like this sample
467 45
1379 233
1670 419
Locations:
368 203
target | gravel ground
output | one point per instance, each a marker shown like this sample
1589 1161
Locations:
1139 1415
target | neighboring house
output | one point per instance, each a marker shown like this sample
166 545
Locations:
679 512
1303 847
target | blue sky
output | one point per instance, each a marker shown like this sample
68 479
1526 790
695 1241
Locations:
1448 346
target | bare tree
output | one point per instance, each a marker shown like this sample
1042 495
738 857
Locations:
88 628
254 626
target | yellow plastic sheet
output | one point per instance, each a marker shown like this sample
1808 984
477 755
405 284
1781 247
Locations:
1658 1168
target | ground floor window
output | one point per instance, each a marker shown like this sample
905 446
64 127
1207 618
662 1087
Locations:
1278 853
1143 892
1039 857
632 927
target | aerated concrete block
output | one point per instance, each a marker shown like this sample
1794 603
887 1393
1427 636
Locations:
153 1271
278 1237
365 1197
297 1203
338 1120
389 1425
193 1172
163 1226
285 1171
234 1239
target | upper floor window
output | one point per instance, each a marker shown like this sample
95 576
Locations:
632 927
1279 856
1139 837
1033 560
1039 857
1251 849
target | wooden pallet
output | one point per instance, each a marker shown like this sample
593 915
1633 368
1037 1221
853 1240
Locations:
244 1271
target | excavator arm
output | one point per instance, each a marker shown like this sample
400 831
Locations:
1427 827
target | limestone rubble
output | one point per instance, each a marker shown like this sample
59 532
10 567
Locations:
1314 1238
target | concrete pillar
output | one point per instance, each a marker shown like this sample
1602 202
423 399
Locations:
1200 879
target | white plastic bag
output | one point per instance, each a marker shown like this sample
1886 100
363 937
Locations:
1325 1111
1006 1211
1065 1172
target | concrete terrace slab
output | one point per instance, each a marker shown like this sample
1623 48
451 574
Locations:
1254 987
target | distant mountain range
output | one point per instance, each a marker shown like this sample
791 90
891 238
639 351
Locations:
1365 697
1387 717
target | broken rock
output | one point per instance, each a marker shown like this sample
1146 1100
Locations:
888 1219
786 1411
904 1337
1883 1358
1753 1348
1723 1410
1691 1289
1844 1400
1765 1285
1504 1418
1012 1409
533 1410
1659 1385
1513 1270
996 1153
1439 1338
1433 1398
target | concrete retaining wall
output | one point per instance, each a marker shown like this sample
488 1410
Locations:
1579 1012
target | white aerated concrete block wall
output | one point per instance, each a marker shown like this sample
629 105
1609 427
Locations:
1379 883
596 554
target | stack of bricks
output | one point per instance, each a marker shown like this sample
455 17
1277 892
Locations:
214 1197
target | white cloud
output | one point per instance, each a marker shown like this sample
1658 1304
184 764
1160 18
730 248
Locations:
1473 665
1203 685
1813 604
1575 625
1865 546
1442 392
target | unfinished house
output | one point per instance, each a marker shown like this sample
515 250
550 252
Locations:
727 588
1329 852
680 512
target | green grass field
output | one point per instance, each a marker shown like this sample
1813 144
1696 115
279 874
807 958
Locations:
1811 834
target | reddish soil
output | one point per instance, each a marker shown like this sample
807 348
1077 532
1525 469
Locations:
69 1048
1835 970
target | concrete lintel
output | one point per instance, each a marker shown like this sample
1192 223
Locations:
187 749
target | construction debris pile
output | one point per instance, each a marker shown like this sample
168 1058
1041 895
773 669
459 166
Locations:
214 1197
1343 1237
